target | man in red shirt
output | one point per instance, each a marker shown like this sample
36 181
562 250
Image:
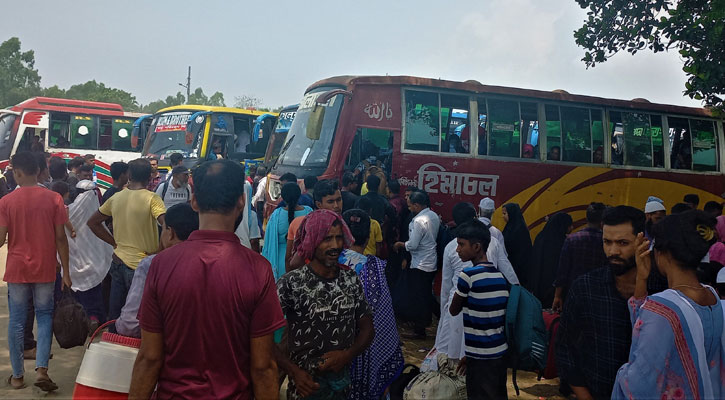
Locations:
210 306
33 218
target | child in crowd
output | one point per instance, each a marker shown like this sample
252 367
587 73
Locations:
63 190
482 295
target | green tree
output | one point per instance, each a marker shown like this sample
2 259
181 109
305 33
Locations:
18 78
154 106
695 28
94 91
247 102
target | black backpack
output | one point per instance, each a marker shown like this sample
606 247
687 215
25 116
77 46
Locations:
70 322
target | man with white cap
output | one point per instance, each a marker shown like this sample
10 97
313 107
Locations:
496 249
654 211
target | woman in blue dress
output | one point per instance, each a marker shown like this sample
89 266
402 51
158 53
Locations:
678 337
275 237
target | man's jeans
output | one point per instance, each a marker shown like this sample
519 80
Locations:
121 279
19 294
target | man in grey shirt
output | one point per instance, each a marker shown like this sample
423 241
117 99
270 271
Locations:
180 221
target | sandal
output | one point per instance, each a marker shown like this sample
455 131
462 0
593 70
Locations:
10 383
46 385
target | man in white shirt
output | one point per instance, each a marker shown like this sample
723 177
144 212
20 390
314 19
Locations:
423 231
176 190
248 229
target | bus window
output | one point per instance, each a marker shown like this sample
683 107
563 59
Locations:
658 146
637 139
121 129
59 128
553 133
482 131
374 146
454 117
6 134
576 132
84 134
529 130
505 129
421 121
243 135
704 153
615 127
597 137
680 147
104 134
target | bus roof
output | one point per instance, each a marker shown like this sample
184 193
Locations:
193 107
70 105
479 88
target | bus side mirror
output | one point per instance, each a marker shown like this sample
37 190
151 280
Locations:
314 123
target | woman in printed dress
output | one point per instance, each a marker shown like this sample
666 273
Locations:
678 337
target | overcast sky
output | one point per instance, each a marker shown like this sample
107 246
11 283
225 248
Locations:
274 50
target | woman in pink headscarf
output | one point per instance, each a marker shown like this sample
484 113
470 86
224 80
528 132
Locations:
717 251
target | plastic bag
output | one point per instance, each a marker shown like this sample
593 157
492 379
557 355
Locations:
430 362
70 322
445 383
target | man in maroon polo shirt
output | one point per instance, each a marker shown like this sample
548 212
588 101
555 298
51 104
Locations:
210 305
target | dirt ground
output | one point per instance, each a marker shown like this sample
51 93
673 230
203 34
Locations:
65 363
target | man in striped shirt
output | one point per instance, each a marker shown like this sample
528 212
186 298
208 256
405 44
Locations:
482 294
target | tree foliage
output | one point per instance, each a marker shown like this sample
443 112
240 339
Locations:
245 101
694 27
19 79
94 91
197 97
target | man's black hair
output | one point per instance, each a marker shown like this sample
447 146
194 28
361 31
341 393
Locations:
218 185
139 170
288 177
57 168
182 219
625 214
348 178
679 208
475 231
119 168
713 207
76 162
692 199
463 212
394 187
595 213
261 171
86 168
60 187
325 187
26 162
310 182
175 159
419 197
359 223
373 183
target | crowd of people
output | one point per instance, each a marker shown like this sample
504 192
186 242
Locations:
229 304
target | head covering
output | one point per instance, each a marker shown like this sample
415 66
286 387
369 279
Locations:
654 204
528 150
86 185
314 228
517 240
487 204
546 253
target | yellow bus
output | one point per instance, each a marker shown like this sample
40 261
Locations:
202 133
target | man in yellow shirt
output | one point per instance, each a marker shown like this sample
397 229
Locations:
135 212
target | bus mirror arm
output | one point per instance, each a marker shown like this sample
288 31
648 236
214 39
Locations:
325 97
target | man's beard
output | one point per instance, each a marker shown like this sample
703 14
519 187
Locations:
622 265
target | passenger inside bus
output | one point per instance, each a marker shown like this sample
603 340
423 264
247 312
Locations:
554 154
527 151
217 149
598 157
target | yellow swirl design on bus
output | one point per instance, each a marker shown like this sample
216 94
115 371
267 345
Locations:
559 195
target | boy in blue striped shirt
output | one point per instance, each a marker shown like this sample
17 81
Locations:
482 295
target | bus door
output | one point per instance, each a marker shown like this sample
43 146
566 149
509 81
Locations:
372 152
33 123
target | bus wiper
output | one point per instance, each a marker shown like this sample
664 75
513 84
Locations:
281 153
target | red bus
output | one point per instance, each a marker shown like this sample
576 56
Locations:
547 151
69 128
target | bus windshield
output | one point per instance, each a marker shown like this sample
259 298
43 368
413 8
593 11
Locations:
300 149
168 135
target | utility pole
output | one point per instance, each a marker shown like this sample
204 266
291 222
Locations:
187 86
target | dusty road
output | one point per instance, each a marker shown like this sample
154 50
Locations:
65 363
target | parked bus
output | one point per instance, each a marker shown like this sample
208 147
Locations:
547 151
69 128
279 136
203 133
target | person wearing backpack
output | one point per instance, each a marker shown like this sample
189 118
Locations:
175 190
482 294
